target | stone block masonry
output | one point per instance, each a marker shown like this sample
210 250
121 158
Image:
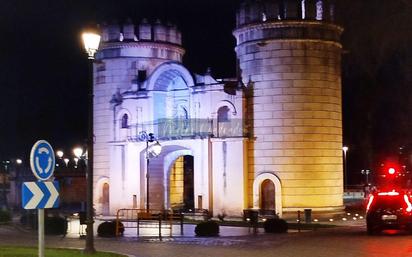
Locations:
297 81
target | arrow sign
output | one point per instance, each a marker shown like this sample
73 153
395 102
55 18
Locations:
40 195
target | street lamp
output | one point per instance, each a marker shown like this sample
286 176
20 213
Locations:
366 173
91 44
78 152
345 149
151 151
59 153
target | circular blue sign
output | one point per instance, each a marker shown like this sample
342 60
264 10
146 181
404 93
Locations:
42 160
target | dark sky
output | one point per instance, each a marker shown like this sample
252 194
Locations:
43 70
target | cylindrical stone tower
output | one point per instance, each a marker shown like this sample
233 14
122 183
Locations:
289 56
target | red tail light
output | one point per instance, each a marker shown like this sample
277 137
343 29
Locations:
369 202
391 171
408 203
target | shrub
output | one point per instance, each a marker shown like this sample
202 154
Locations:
108 229
207 228
29 219
55 225
5 216
275 226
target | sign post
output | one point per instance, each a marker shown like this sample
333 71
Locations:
43 193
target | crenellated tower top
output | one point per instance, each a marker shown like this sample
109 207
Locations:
144 31
255 11
287 20
143 40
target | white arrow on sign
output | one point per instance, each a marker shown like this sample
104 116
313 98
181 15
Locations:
40 195
37 196
53 195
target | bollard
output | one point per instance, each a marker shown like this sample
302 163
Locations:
181 223
160 227
255 219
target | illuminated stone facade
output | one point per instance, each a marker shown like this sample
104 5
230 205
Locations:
270 140
291 61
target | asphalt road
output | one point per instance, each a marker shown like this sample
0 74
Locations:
340 241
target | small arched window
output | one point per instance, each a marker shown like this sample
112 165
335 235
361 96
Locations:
223 114
319 10
125 121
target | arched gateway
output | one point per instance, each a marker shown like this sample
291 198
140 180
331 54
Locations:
220 137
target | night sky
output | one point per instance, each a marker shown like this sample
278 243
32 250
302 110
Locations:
43 69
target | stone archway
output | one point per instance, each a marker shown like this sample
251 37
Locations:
181 184
159 176
257 191
102 194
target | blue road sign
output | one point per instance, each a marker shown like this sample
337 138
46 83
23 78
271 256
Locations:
40 195
42 160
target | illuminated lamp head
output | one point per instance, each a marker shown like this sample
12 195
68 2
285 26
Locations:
391 171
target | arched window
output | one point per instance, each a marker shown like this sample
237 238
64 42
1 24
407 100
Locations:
223 114
125 121
319 10
223 122
105 199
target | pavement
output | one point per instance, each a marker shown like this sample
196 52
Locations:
232 242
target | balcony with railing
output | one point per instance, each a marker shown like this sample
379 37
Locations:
175 129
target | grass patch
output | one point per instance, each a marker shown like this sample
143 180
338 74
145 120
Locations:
14 251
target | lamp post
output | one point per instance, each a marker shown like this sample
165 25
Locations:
366 173
91 44
4 188
345 149
151 151
17 183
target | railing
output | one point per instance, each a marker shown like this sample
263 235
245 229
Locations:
166 129
135 218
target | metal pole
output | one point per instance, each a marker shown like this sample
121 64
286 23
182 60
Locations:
147 176
5 203
344 167
41 232
4 194
181 222
90 141
160 227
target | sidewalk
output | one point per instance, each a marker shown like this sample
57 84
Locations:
233 242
